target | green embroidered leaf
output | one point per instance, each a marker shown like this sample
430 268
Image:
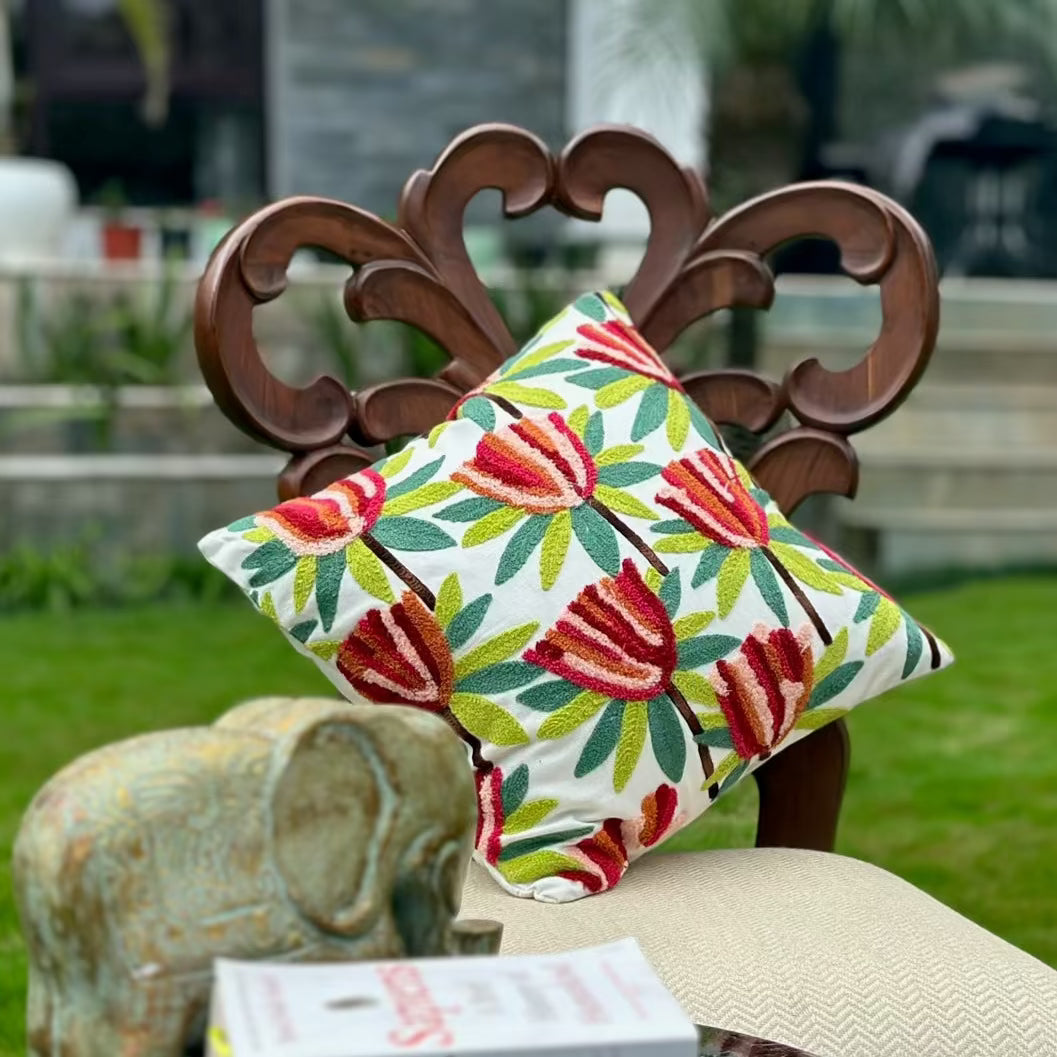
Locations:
535 865
529 816
692 624
603 740
678 421
702 425
325 651
415 480
565 720
499 678
598 378
271 560
469 509
828 563
530 397
484 719
630 743
555 366
302 631
410 534
782 532
867 604
623 502
259 535
577 420
884 625
436 433
591 305
550 696
832 657
595 433
555 547
492 525
243 524
705 649
514 789
520 547
819 717
495 649
518 848
671 593
653 410
732 577
465 623
695 688
367 570
711 562
804 569
711 720
833 684
715 738
915 645
304 581
394 464
673 527
619 453
537 356
728 773
684 543
766 581
666 737
597 537
330 569
841 576
426 495
623 474
616 393
652 579
615 304
449 600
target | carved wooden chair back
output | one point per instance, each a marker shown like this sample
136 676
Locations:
418 271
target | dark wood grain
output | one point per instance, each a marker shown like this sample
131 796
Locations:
419 272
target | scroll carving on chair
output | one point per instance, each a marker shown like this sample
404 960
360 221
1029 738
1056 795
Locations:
418 271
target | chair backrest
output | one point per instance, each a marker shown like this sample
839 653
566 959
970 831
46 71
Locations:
418 271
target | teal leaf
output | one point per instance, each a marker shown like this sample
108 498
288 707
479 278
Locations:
549 696
547 367
598 378
330 568
788 534
622 474
465 623
834 683
666 737
734 777
653 410
767 584
675 526
603 739
481 410
271 560
530 844
595 433
415 480
597 537
705 649
520 546
244 524
302 631
593 306
715 738
410 534
867 604
712 559
826 563
702 425
469 509
498 678
915 644
671 593
514 789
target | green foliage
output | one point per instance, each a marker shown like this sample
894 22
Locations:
338 338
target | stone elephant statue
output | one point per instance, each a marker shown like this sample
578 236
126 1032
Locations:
294 829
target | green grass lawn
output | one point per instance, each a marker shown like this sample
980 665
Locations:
953 783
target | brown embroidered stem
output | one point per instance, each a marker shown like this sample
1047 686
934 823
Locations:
506 405
481 765
636 541
798 594
934 647
694 726
386 557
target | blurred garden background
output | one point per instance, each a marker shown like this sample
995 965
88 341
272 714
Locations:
134 133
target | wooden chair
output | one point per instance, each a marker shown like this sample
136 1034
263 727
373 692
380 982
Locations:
418 271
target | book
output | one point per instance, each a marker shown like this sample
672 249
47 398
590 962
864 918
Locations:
594 1002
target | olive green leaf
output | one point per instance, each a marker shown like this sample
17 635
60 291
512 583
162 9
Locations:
483 718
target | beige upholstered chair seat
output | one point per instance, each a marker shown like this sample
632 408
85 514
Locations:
811 949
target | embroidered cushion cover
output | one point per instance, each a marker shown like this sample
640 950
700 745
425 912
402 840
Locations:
574 573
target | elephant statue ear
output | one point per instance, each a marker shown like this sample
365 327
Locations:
332 806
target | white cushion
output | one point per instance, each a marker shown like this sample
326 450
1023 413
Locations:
814 950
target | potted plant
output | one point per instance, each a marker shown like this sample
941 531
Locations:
122 240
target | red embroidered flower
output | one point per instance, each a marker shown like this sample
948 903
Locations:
400 656
537 464
705 489
490 816
332 519
605 855
615 638
764 687
621 345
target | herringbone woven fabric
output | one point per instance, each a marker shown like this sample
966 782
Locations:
815 950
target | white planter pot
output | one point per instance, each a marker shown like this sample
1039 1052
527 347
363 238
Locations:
37 203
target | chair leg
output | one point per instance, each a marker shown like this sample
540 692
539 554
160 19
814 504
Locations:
801 789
